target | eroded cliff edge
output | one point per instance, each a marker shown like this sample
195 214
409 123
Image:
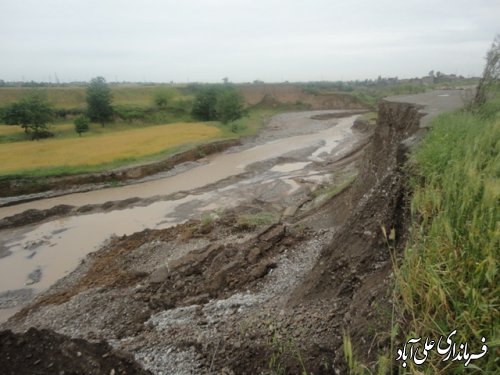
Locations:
229 304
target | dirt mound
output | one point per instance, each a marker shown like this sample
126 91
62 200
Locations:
215 271
46 352
212 271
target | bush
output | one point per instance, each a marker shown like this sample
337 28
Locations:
204 104
82 124
129 113
162 96
216 102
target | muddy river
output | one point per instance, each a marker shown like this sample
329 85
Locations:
290 157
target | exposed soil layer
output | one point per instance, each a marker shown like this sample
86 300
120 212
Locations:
46 352
279 94
229 296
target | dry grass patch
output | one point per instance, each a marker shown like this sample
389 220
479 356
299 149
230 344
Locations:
10 129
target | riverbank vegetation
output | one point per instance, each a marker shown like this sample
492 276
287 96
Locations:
449 278
449 275
119 134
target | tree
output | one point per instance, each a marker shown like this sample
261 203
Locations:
223 103
229 106
204 104
99 98
162 96
82 123
491 73
32 113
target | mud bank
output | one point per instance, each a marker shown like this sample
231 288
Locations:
243 293
59 185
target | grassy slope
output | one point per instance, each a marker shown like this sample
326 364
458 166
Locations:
449 276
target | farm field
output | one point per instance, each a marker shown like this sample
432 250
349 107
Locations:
86 153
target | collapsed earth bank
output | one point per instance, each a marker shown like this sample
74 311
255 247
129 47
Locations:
220 308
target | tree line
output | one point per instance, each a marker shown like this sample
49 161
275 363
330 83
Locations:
34 111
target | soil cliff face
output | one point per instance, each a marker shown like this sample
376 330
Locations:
352 281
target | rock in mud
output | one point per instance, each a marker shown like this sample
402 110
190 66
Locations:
35 276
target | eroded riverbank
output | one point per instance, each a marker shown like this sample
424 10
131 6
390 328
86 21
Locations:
244 290
271 173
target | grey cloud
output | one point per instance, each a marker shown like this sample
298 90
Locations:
272 40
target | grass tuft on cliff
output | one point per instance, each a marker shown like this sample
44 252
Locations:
449 277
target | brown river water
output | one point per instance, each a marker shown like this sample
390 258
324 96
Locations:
43 253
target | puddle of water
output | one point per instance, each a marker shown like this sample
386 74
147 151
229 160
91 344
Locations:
289 167
332 142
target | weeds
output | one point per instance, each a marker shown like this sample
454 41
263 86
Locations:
207 219
258 219
284 352
449 276
326 193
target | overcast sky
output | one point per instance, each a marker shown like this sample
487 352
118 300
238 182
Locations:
269 40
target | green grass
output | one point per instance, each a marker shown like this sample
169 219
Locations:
259 219
370 117
343 180
449 276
